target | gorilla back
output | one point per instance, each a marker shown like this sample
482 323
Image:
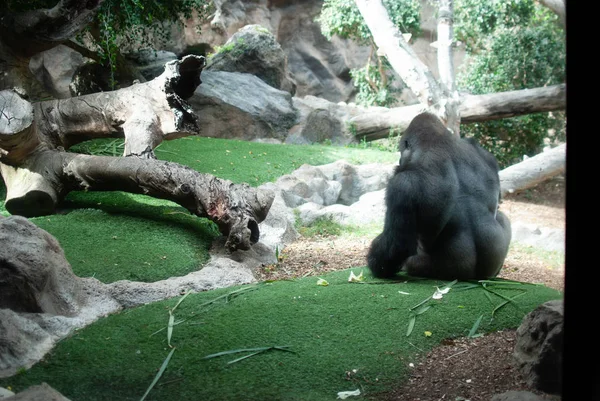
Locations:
442 218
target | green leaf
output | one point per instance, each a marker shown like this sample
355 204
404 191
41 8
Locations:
475 326
411 324
170 328
159 374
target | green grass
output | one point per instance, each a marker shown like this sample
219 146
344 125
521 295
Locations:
332 331
242 161
116 246
257 163
326 226
552 259
115 235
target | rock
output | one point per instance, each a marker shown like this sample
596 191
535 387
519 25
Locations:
539 347
278 228
254 50
55 69
90 77
317 66
550 239
253 108
321 120
40 392
517 396
4 393
34 274
345 193
22 342
357 180
149 62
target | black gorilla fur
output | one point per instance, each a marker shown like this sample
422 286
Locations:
442 218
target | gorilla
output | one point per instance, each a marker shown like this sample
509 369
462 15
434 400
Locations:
442 219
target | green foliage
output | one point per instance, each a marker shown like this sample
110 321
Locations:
512 45
342 18
136 23
374 87
236 48
476 20
321 227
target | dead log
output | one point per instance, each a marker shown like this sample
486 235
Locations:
376 123
38 173
37 185
533 170
144 113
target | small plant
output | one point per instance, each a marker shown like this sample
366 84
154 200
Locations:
236 48
321 227
100 147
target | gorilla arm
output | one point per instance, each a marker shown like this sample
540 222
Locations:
398 240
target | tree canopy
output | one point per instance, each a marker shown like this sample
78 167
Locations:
510 45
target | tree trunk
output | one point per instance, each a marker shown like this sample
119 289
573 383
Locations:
38 172
406 63
533 170
558 6
444 43
376 123
38 184
401 56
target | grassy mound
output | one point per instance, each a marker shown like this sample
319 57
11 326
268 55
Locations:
339 337
119 236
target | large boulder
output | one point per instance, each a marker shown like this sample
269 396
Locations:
319 67
34 274
22 342
539 347
252 108
150 63
55 69
254 50
39 392
321 120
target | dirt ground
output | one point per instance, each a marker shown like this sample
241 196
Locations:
459 369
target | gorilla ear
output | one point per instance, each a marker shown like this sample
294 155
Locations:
402 144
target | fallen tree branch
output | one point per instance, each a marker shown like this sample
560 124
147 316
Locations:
377 122
144 114
38 172
533 170
47 176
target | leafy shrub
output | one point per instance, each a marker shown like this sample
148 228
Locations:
342 18
512 45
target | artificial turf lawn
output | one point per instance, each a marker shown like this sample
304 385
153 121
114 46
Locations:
119 236
332 330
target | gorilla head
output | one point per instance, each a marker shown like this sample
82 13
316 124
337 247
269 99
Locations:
442 219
